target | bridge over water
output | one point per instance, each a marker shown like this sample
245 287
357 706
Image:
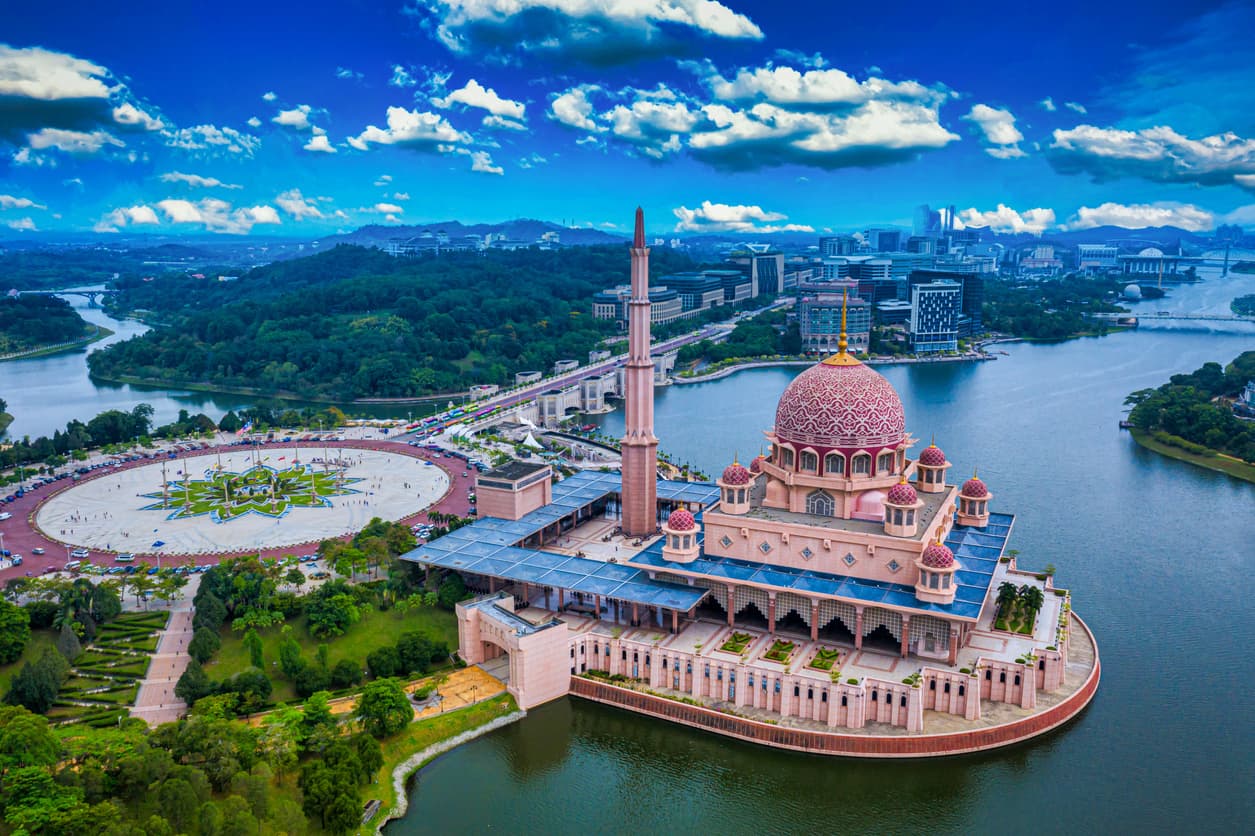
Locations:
92 296
1168 316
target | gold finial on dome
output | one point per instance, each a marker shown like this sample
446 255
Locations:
842 357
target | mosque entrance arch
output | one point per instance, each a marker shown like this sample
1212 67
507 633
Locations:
821 504
496 660
880 640
751 616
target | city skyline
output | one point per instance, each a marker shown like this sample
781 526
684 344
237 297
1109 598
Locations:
715 116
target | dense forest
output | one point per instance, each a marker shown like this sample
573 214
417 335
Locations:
354 322
28 322
1243 305
1049 310
1186 408
765 335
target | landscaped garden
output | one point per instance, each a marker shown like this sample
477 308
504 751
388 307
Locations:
1018 608
736 643
824 659
264 490
780 651
104 679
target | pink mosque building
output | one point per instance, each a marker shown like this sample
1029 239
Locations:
835 596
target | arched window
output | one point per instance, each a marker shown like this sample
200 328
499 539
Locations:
884 463
910 516
862 464
820 503
740 494
729 495
945 581
834 464
809 461
786 457
932 580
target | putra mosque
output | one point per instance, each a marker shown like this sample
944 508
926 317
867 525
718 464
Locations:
836 595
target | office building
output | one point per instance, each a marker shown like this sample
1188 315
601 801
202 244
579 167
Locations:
934 322
834 245
819 320
698 291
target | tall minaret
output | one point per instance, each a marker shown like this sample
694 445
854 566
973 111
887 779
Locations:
640 447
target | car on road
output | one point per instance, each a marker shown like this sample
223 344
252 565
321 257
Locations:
37 550
5 516
79 553
319 576
17 560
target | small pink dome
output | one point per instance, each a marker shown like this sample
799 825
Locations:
932 456
756 466
903 494
937 556
681 520
974 489
736 474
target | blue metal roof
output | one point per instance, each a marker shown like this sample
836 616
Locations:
978 551
486 547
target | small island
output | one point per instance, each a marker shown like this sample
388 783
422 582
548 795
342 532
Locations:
1191 418
1243 305
34 325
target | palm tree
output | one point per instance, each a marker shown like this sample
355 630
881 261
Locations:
1007 595
1032 598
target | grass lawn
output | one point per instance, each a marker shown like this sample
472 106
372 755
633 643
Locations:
1216 461
40 640
737 642
418 736
824 659
780 651
1017 619
375 630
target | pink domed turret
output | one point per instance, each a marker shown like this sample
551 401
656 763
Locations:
756 466
681 520
902 494
974 488
938 556
736 474
932 456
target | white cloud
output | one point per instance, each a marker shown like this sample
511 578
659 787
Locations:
384 179
269 96
400 196
197 181
72 142
8 201
532 161
297 117
346 73
254 122
481 161
320 143
1135 216
474 94
1049 104
1158 153
410 128
401 77
1243 216
217 215
598 31
297 205
755 132
213 138
22 224
1074 106
1006 219
131 116
388 208
998 127
127 216
40 74
722 217
789 87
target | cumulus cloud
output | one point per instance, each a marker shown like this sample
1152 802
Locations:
502 112
269 96
1074 106
1006 219
217 215
297 118
412 129
1160 154
254 122
298 206
197 181
997 125
131 116
723 217
384 179
72 142
388 208
346 73
22 224
601 32
319 142
40 88
213 139
481 161
1137 215
8 201
126 216
1049 104
532 161
762 119
1246 181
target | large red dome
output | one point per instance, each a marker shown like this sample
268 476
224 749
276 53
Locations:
845 405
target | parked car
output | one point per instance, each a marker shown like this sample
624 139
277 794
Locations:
79 553
17 560
37 550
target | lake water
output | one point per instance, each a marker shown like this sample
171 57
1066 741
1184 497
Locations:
1159 555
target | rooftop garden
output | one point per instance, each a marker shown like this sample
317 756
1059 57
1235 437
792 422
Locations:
824 659
736 643
1018 608
780 651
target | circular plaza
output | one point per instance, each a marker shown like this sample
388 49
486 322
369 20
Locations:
241 499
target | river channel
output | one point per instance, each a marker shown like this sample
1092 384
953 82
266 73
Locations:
1159 555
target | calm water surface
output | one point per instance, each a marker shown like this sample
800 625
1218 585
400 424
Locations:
1160 557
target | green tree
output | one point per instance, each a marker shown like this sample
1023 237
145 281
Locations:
179 803
15 632
290 660
296 578
204 644
37 684
193 684
253 644
384 708
67 642
25 740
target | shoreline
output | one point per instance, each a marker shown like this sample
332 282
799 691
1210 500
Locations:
755 364
44 351
1217 462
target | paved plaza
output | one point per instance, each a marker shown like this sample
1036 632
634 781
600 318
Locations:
107 513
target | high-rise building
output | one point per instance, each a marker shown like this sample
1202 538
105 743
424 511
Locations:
927 222
819 320
698 291
838 245
884 240
934 323
639 447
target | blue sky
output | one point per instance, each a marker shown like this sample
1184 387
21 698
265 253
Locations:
303 119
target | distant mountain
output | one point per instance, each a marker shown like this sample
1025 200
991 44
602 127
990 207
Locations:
1167 235
521 229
